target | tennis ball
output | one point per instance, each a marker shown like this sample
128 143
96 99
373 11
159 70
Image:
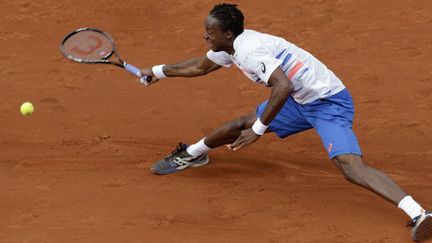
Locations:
27 108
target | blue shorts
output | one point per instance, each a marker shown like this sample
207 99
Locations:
331 117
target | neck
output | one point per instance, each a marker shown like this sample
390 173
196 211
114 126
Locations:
230 46
230 50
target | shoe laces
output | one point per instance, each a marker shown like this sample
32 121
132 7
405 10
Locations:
180 148
176 154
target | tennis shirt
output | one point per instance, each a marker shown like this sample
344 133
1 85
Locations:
257 55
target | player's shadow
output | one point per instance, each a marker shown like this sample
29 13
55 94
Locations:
223 167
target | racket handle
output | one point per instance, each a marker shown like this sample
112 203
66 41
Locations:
135 71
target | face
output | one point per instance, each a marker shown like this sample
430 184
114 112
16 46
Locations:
216 39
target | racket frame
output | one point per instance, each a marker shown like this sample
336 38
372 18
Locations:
104 59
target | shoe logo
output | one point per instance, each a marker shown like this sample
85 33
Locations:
263 68
182 163
329 149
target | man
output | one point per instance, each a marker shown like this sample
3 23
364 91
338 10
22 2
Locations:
305 94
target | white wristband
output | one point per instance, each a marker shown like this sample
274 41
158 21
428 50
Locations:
158 71
259 128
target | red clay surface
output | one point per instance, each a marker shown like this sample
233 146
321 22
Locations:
77 170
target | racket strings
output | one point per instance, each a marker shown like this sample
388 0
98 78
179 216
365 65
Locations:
88 45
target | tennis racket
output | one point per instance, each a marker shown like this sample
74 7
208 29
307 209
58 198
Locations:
89 45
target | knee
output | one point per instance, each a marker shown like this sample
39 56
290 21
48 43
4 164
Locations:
352 167
240 124
236 126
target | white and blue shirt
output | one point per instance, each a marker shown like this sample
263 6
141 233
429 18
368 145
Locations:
258 55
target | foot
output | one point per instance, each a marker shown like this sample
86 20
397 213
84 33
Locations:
178 160
422 227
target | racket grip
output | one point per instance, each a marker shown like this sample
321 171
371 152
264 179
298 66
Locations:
135 71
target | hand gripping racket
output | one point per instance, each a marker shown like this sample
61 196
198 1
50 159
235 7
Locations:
89 45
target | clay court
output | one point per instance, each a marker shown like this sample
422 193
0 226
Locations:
77 170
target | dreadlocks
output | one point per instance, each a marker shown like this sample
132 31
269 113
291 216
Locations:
229 17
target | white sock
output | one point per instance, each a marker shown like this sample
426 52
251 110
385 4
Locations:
197 149
411 207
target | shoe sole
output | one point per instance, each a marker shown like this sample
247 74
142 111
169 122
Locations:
423 231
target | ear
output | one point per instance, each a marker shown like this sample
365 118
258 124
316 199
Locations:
229 34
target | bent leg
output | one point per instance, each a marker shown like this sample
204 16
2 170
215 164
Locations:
355 171
229 132
287 122
196 154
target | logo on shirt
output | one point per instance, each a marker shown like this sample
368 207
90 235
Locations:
263 68
329 149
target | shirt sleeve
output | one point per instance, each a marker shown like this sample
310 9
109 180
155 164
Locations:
220 58
262 64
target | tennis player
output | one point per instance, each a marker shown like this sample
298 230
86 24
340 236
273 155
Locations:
305 94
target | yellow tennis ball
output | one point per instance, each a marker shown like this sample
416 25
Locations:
27 108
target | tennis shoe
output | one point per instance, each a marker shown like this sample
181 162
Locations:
178 160
421 227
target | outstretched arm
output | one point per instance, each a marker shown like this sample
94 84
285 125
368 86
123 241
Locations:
282 89
190 68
